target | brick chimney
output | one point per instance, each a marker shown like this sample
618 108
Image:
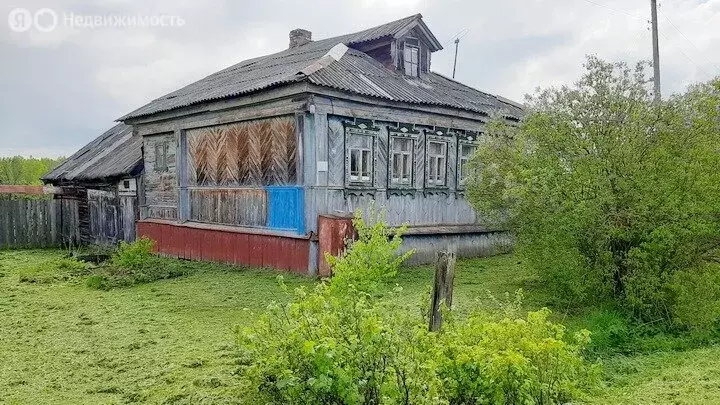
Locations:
299 37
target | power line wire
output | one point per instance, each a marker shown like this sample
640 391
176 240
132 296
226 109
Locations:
667 18
617 10
627 13
687 56
457 36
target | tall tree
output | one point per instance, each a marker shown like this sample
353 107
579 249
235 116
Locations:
610 194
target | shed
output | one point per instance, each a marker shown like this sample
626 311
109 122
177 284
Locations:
103 177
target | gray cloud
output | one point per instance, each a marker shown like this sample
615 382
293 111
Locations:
63 88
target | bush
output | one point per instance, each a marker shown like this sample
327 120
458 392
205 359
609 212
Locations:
611 195
514 361
370 260
134 255
134 263
340 344
687 286
62 269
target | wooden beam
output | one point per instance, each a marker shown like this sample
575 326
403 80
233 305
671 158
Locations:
275 108
335 103
228 103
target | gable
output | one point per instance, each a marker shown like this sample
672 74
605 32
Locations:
389 50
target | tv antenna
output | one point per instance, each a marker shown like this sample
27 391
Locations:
457 42
457 36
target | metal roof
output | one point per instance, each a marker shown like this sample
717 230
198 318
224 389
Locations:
116 153
356 72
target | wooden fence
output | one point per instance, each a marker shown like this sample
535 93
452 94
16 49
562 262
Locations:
38 223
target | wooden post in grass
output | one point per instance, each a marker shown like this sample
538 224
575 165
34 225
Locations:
443 287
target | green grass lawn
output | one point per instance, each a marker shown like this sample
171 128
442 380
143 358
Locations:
172 341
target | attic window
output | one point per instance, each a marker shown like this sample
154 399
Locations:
411 56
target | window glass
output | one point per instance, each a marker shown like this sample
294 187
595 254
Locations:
466 153
401 150
360 165
411 56
437 158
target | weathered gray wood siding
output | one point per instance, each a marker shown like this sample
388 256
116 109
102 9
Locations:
229 206
160 183
418 204
38 223
112 217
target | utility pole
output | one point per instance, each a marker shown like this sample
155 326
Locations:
656 49
457 41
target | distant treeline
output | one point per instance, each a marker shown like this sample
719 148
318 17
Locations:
21 170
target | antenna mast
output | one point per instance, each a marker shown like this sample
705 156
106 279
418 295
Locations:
457 41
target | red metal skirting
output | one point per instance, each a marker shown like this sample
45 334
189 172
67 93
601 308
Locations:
216 245
332 232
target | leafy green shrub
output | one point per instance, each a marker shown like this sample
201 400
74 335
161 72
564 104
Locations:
340 344
687 286
371 259
610 194
134 263
62 269
134 255
514 361
327 349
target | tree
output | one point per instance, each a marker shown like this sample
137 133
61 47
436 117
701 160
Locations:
20 170
609 194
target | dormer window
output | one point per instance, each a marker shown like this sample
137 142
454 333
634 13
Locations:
411 57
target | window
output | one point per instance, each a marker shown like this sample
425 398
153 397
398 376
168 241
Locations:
360 165
401 162
161 156
437 158
465 154
411 56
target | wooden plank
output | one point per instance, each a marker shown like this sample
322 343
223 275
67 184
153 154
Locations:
20 228
3 223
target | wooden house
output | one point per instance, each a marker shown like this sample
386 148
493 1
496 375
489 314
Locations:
101 181
241 165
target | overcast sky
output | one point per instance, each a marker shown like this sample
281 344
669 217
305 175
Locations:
62 88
